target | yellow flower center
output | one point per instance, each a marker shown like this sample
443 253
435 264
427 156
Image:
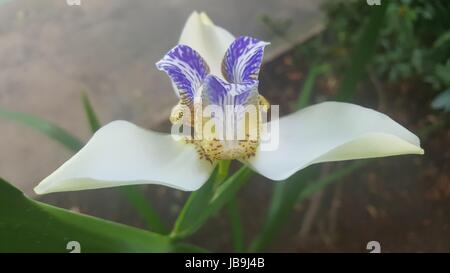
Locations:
222 137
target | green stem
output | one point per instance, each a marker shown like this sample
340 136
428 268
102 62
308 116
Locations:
232 208
222 173
140 203
205 202
321 183
308 87
362 53
224 167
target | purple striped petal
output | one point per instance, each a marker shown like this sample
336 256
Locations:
187 70
219 92
243 59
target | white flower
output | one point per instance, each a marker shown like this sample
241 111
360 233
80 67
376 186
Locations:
210 63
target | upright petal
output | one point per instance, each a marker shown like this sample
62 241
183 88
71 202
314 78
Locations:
187 70
243 59
332 131
121 153
221 93
209 40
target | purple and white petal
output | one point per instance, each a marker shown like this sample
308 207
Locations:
243 59
187 70
234 99
218 92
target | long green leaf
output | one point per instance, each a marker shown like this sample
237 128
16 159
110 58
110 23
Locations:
308 86
144 208
228 189
198 209
283 200
91 116
30 226
362 52
194 206
301 187
286 195
188 248
322 183
47 128
237 232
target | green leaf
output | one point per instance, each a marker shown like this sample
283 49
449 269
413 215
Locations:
49 129
188 248
362 53
443 72
144 208
296 189
204 203
227 190
308 86
237 232
194 207
30 226
442 40
321 183
284 198
91 116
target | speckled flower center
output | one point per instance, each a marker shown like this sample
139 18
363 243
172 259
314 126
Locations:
223 137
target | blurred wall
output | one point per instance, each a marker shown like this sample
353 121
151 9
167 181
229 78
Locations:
50 52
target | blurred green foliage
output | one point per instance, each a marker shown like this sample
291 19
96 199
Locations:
414 40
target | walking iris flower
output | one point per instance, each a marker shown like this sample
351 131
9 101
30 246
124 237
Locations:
211 67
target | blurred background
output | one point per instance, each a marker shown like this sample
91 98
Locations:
394 58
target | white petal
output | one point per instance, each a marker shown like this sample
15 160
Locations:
333 131
209 40
121 153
